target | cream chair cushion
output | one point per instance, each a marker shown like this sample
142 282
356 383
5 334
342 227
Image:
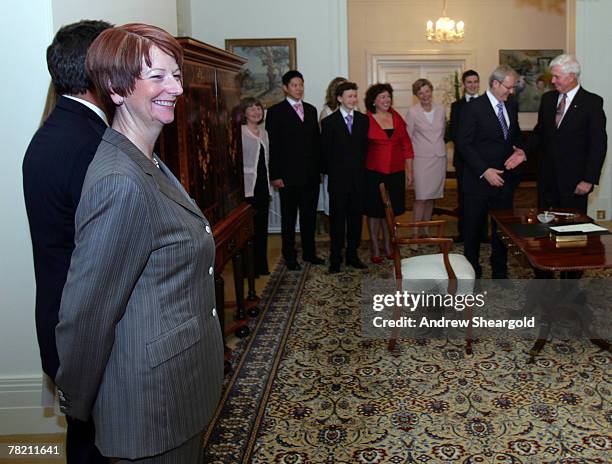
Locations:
427 273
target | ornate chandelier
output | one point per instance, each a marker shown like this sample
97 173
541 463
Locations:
445 29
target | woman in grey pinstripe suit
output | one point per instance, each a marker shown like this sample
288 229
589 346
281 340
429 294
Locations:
139 340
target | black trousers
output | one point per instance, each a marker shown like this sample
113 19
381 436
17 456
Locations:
459 168
80 443
460 200
477 209
345 219
303 199
549 197
261 203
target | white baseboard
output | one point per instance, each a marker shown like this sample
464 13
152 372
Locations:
21 411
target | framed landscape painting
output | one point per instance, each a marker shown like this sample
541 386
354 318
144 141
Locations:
534 75
268 60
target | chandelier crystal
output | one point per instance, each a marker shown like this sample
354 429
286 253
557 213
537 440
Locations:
445 29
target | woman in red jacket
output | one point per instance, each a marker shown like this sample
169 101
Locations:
389 160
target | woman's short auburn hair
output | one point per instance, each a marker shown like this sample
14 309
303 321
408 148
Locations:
419 84
115 59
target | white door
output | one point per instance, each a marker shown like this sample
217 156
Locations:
402 74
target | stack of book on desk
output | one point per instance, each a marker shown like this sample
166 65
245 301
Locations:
574 235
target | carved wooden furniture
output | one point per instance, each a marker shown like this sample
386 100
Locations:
203 148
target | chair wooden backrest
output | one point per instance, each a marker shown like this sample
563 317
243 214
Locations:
445 244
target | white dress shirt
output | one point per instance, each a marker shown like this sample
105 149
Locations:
568 101
89 105
494 101
345 114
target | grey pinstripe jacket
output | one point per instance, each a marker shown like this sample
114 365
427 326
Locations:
138 338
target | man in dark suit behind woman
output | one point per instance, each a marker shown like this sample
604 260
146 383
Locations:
471 84
344 141
571 131
293 130
490 139
53 171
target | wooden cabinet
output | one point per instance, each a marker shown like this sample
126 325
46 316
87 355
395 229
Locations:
203 148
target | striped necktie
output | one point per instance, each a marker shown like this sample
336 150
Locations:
299 109
349 123
560 110
502 119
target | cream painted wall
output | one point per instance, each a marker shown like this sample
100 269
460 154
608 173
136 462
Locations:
23 107
593 39
160 13
20 372
398 26
20 375
318 25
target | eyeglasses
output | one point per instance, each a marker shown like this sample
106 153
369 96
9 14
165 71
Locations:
509 89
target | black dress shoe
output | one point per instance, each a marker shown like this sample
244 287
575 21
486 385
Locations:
315 260
334 268
293 265
356 263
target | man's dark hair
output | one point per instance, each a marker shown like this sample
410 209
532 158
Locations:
290 75
468 73
373 91
344 86
66 56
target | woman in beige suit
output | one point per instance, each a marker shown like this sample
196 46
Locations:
426 122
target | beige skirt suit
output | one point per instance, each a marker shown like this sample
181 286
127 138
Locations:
429 151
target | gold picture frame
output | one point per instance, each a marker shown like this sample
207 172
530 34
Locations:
268 60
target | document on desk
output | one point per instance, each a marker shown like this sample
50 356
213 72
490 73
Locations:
579 228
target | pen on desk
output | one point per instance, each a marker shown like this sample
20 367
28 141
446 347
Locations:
558 213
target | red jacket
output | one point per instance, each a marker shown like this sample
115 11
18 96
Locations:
388 155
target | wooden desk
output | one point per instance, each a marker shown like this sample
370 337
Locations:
542 254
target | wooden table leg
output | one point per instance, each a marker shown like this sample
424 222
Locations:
220 300
242 330
249 256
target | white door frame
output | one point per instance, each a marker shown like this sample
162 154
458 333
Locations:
375 60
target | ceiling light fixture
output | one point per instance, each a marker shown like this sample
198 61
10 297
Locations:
445 29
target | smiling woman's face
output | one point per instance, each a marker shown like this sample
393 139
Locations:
253 114
155 92
424 95
383 101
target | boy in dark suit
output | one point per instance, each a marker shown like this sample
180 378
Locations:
293 130
54 167
344 140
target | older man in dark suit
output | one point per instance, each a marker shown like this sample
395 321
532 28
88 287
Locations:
53 171
293 129
490 139
344 137
571 131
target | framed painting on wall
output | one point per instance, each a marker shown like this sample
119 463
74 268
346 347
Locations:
268 60
534 75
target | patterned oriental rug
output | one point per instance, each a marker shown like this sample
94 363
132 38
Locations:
308 388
